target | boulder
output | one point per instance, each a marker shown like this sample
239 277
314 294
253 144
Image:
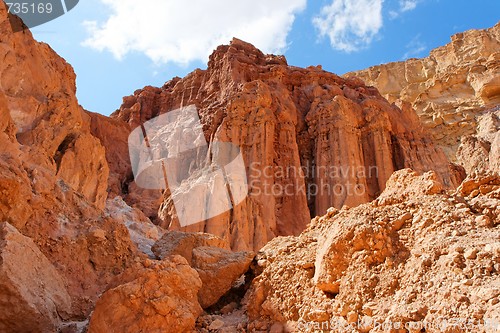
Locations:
219 269
33 296
159 297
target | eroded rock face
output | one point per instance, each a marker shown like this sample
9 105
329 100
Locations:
39 92
480 153
310 140
113 134
425 256
26 306
449 89
53 179
159 297
183 244
141 230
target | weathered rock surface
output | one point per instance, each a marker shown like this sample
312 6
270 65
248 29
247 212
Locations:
53 178
449 89
113 134
159 297
39 92
217 266
142 231
310 140
219 270
183 244
425 256
480 153
28 304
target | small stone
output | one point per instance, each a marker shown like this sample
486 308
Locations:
483 221
352 317
427 262
98 234
229 308
468 282
471 254
485 189
400 221
217 324
474 193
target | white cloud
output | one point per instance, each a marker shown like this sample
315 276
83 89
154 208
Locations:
407 5
415 48
404 6
184 31
350 24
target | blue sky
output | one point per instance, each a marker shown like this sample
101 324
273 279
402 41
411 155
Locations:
118 46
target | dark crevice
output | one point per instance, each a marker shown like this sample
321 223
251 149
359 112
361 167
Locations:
67 143
398 157
330 295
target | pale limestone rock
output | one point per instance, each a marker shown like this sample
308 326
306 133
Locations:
450 88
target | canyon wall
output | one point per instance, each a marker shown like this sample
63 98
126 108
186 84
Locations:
59 247
450 89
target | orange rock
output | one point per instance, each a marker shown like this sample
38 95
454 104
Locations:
413 260
38 89
33 294
160 298
53 174
218 267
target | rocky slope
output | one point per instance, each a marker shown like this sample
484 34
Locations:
415 255
288 122
450 89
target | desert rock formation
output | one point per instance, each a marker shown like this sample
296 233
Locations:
217 266
41 305
480 152
450 89
79 252
310 140
159 296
